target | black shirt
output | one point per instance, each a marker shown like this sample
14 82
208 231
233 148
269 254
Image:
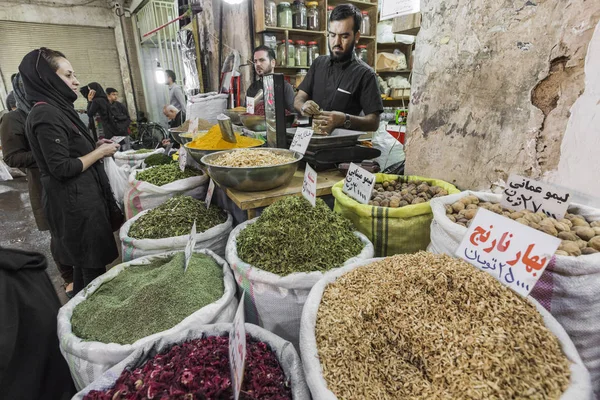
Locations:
288 92
349 87
120 115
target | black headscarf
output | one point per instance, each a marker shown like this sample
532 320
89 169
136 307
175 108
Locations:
100 93
19 91
42 84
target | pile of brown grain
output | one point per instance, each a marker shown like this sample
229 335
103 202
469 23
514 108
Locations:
426 326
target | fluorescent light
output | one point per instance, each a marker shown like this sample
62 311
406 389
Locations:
160 77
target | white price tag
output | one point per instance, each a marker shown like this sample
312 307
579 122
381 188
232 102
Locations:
359 183
513 253
209 193
309 186
117 139
527 194
193 125
189 247
250 105
237 350
397 8
301 140
182 158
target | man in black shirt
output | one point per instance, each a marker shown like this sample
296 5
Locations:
119 112
339 86
264 62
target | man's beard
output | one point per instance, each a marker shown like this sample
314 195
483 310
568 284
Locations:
264 72
347 55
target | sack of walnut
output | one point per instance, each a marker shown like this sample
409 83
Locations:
569 287
400 223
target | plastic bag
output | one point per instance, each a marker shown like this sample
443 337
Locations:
286 355
4 172
392 151
569 287
579 389
118 178
132 159
214 239
207 106
89 360
275 302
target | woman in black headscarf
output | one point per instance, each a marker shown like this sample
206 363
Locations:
77 199
98 105
18 154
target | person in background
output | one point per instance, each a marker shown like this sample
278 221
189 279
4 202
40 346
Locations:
264 63
99 105
18 154
338 88
176 96
176 118
120 116
78 201
11 104
31 365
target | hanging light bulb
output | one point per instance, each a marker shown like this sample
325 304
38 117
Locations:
161 79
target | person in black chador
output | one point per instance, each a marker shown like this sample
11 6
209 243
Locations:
99 105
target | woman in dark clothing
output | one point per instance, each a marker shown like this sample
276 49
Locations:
18 154
77 199
98 104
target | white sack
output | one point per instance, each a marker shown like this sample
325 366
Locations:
207 107
118 178
134 160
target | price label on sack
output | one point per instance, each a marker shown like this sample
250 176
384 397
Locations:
209 193
301 140
527 194
193 127
309 186
359 183
182 158
237 349
189 247
250 105
511 252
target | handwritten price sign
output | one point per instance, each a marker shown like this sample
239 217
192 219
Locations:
527 194
193 125
182 159
513 253
189 247
237 350
309 186
209 193
301 140
359 183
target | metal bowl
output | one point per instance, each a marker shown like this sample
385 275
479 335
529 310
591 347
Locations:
252 179
180 139
256 123
198 154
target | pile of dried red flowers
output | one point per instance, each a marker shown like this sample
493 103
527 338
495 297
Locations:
199 369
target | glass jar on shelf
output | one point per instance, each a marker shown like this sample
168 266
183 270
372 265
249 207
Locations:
284 15
362 53
300 75
313 52
312 15
301 54
281 60
299 15
291 58
270 13
329 10
365 25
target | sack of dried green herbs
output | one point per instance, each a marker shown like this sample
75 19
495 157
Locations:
167 227
279 256
143 195
292 386
569 287
88 360
134 159
426 326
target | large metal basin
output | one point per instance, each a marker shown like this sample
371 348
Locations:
198 154
252 179
183 137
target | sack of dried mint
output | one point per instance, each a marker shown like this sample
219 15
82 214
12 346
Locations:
167 227
279 256
425 326
139 302
134 158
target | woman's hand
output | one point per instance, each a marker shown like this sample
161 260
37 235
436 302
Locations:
103 141
91 94
107 149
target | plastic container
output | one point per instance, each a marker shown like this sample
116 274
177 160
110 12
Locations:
299 15
312 13
365 25
284 15
362 53
301 54
313 52
270 13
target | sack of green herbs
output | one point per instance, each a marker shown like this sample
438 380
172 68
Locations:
138 303
279 256
135 158
426 326
150 187
167 228
194 364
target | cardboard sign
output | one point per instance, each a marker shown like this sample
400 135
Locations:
193 125
209 193
189 247
527 194
359 183
301 140
396 8
309 186
237 350
182 158
250 105
513 253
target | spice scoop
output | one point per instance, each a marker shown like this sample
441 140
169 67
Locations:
226 128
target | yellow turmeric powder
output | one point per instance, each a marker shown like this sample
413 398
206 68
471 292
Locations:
213 140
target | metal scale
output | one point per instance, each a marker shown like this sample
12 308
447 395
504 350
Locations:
324 152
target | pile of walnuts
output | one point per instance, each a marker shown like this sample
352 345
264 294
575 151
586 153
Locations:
397 194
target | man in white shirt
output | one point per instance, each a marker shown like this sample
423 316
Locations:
176 96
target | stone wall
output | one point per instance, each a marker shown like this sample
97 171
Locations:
493 85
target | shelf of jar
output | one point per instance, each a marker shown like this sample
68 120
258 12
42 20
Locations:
275 29
295 67
368 37
358 3
401 71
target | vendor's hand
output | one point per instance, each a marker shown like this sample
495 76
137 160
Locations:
108 149
329 120
310 108
102 141
91 94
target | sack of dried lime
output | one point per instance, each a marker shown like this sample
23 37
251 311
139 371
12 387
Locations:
425 326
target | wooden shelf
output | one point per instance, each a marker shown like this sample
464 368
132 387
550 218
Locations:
285 67
406 98
368 37
274 29
402 71
358 3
